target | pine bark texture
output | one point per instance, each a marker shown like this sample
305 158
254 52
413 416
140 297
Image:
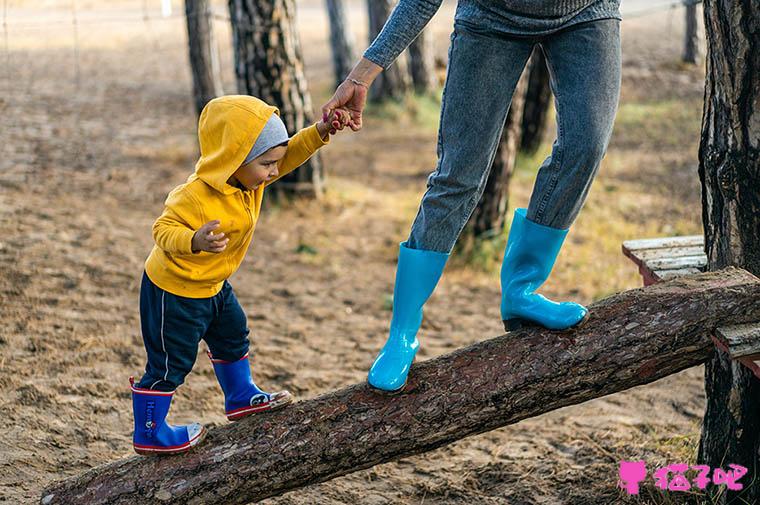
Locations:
538 99
729 170
204 58
489 216
632 338
421 63
393 82
269 65
340 40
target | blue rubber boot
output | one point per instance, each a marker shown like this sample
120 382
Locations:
241 395
153 435
531 252
417 274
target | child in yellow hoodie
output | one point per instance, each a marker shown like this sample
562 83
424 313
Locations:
201 239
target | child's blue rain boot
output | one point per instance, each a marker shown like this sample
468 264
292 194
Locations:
153 435
241 395
417 274
528 260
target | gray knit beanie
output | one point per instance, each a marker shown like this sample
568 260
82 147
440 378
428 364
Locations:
273 134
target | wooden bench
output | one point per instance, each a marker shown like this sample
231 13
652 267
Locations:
660 259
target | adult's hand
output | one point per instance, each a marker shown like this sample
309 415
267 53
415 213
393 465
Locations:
352 93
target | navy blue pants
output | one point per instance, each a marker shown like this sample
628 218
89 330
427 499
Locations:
173 326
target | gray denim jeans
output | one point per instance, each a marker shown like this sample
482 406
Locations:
484 67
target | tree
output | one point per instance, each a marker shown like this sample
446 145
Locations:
691 42
729 171
204 58
340 40
538 99
269 65
421 63
393 82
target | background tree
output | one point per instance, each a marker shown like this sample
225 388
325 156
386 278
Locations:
204 58
394 81
421 63
691 51
729 170
340 40
538 99
269 65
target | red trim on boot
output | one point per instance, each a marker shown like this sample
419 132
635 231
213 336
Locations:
142 391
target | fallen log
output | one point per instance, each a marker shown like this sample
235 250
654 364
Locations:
632 338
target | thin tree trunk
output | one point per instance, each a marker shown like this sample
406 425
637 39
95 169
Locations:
538 99
204 57
632 338
340 40
421 63
729 171
691 43
393 82
269 65
488 217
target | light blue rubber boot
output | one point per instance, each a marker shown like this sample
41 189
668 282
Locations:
529 257
417 274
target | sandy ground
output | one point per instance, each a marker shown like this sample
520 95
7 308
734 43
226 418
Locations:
97 126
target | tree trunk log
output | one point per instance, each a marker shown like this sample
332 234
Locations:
538 99
488 217
632 338
393 82
204 57
421 63
729 170
691 39
340 40
268 65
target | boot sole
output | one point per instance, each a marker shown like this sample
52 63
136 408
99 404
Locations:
168 451
517 323
274 405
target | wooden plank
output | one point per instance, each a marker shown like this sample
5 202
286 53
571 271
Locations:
665 275
699 262
671 252
658 243
742 340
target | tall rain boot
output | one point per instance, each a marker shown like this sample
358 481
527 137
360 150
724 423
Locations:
241 395
153 435
529 257
417 274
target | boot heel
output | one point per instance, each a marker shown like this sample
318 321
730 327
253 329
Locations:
513 324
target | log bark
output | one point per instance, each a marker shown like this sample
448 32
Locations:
269 65
340 40
421 63
632 338
538 99
393 82
729 170
204 57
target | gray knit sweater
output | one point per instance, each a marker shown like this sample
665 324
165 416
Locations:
510 17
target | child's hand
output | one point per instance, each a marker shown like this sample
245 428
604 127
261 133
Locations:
337 121
205 239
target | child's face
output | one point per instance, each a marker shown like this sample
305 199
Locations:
261 169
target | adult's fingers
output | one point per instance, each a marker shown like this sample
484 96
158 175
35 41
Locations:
329 107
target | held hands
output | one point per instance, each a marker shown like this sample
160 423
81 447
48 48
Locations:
351 96
205 240
337 120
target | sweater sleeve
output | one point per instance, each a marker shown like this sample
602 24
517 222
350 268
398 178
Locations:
172 231
403 25
301 147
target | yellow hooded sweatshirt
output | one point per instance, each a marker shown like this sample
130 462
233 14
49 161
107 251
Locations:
227 130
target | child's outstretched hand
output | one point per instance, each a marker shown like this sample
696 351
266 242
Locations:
337 121
205 239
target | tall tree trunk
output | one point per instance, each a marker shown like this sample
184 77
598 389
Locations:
729 170
393 82
538 99
421 63
204 58
268 65
691 41
340 40
489 215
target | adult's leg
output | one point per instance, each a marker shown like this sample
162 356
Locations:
584 64
483 71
